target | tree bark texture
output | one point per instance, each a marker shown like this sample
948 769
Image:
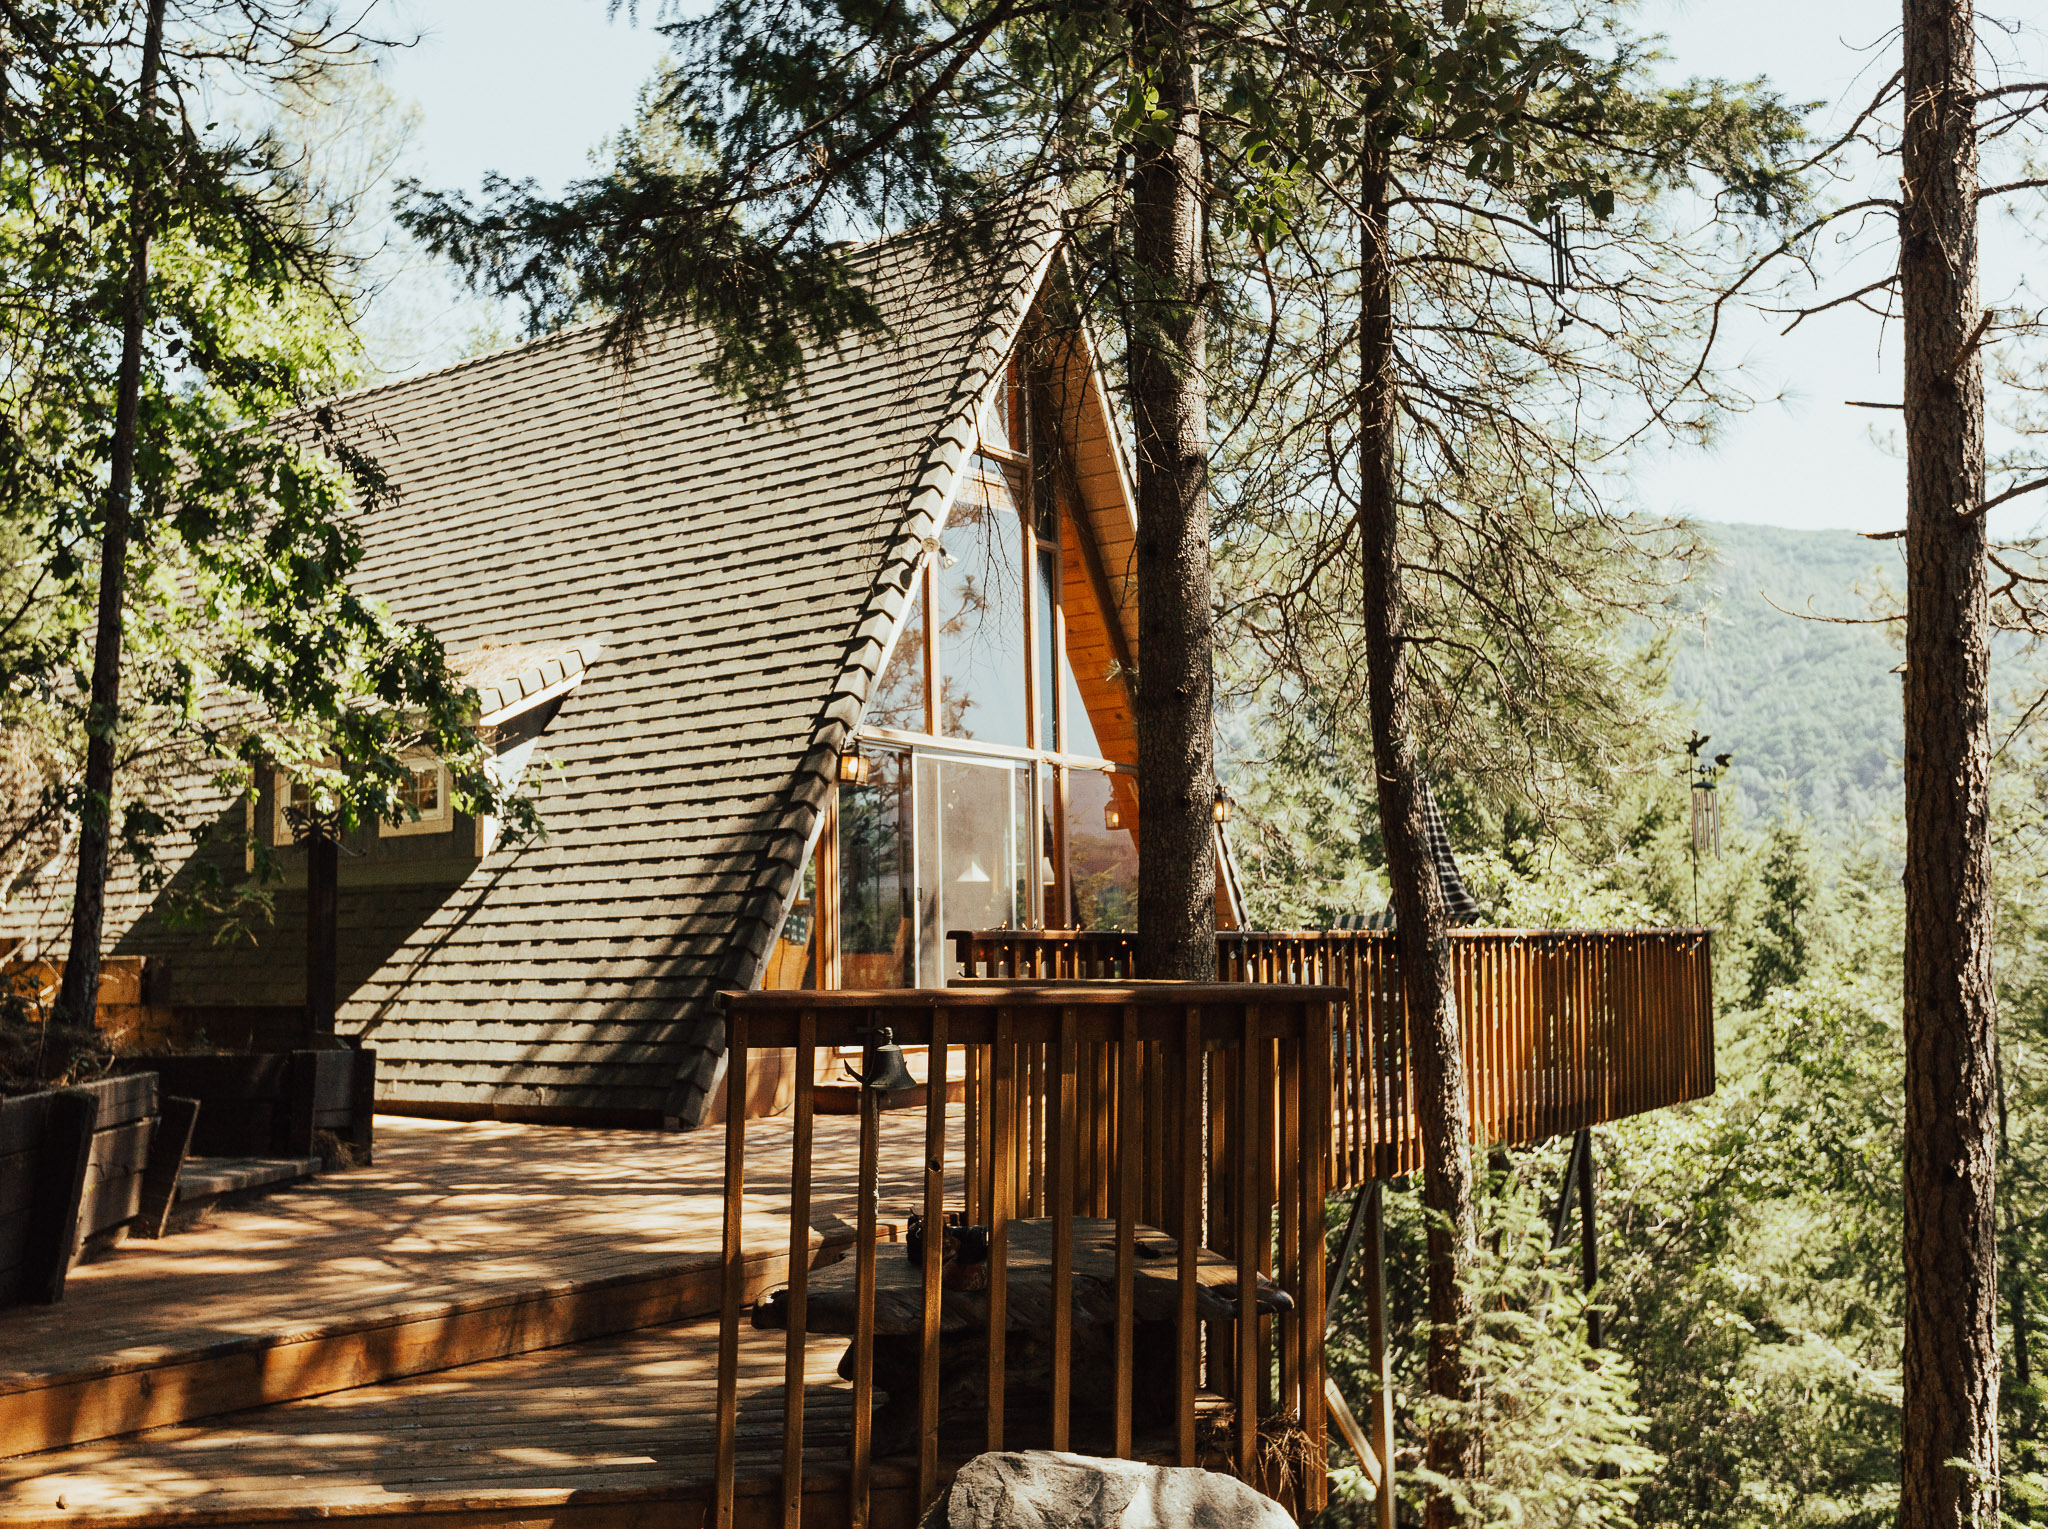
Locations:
1170 412
78 997
1420 915
1949 1471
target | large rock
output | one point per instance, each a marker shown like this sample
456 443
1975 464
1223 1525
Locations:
1045 1489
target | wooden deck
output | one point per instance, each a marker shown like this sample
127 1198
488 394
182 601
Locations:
606 1434
466 1242
585 1257
609 1431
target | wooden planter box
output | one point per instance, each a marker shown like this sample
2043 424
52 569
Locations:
272 1103
71 1172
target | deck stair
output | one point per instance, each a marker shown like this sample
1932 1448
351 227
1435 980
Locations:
607 1433
464 1244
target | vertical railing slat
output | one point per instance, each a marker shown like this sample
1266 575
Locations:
1002 1062
866 1184
1291 1159
1249 1237
1128 1154
934 1262
733 1269
1315 1105
798 1300
971 1169
1069 1086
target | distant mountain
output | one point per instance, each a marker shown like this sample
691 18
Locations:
1810 708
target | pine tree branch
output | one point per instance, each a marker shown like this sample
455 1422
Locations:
2012 493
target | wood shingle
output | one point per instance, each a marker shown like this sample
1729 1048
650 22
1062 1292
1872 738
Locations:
707 591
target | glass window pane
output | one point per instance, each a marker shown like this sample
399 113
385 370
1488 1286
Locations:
1048 637
974 844
995 419
1080 737
1102 862
981 612
877 948
1047 907
899 692
793 963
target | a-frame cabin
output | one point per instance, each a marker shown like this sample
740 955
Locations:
814 686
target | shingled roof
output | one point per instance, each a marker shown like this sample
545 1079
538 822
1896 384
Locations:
713 589
743 572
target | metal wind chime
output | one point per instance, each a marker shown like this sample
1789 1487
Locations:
1704 779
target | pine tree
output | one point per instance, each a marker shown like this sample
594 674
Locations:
1186 148
171 316
1951 1359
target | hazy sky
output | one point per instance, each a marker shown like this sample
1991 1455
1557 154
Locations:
528 87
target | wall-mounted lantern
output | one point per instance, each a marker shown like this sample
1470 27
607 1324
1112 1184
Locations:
1223 803
853 766
1112 816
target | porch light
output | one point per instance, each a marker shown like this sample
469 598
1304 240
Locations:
853 766
1111 817
1222 804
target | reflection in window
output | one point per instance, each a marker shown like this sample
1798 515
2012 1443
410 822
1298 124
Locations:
980 570
1102 862
420 793
1080 736
1048 905
876 943
1048 638
793 963
974 852
899 693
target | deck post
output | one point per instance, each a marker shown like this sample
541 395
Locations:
1567 1190
1382 1358
1589 1245
323 901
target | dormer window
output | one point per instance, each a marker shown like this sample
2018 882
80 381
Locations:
422 800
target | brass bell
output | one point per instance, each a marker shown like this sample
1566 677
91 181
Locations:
883 1069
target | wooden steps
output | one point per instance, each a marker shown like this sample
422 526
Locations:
122 1394
465 1243
614 1433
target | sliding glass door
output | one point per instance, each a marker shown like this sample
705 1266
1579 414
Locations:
973 853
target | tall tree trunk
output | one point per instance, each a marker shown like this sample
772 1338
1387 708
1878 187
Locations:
1170 409
1950 1465
77 999
1420 916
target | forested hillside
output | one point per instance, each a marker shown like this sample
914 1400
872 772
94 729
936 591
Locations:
1810 708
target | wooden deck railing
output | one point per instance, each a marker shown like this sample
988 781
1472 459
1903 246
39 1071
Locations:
1134 1153
1562 1029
